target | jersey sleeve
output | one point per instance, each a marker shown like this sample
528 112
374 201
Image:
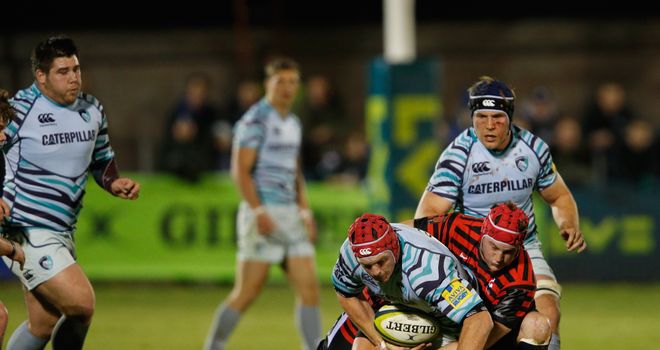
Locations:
447 179
547 171
345 276
513 307
455 298
250 133
103 152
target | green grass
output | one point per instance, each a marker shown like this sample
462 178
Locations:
130 316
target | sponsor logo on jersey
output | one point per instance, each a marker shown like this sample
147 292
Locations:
501 186
463 256
522 163
46 262
481 168
456 293
46 118
68 137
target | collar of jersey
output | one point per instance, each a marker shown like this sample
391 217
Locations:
39 93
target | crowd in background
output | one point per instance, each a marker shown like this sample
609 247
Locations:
606 143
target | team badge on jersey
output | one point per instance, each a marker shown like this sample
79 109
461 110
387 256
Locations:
456 293
85 115
522 163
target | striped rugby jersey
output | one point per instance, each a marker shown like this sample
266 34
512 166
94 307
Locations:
49 149
277 141
507 293
427 277
474 178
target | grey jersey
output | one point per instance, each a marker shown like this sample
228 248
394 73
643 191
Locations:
277 141
474 178
49 150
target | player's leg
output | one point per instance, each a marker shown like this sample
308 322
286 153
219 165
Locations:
301 273
249 281
71 293
340 336
36 331
548 291
534 332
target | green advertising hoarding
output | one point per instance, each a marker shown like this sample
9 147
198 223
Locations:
186 232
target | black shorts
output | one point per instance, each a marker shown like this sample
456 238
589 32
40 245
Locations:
341 335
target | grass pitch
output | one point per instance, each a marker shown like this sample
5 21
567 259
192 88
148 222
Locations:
130 316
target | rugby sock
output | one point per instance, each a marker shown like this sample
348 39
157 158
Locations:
22 339
554 342
224 321
527 346
309 324
69 334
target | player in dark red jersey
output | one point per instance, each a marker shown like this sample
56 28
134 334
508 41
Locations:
492 249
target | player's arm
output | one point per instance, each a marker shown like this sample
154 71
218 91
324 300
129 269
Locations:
243 160
475 331
565 213
509 312
432 204
305 212
361 313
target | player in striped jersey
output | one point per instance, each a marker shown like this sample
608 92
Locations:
492 248
404 265
509 297
58 135
8 248
494 161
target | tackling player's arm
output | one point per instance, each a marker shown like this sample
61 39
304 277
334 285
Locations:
243 160
565 213
361 313
432 204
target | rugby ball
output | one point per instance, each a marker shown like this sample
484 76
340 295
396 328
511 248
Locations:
404 326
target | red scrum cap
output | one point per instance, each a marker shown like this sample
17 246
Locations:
506 223
370 235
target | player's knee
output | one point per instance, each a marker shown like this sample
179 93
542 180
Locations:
82 311
535 329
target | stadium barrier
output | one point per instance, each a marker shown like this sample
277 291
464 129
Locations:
179 231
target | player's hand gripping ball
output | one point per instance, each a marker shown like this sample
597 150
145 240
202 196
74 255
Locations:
403 326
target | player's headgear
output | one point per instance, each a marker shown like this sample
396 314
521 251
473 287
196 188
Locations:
489 94
370 235
506 223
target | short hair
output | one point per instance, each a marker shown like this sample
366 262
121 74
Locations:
48 50
7 112
278 64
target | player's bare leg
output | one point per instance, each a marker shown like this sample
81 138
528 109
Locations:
302 276
249 281
547 302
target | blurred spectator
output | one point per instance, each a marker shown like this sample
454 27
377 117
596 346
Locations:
352 163
187 145
639 154
569 152
540 113
604 125
247 93
323 118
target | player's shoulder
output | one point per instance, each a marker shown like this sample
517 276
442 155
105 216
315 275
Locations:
87 100
257 113
521 273
534 142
